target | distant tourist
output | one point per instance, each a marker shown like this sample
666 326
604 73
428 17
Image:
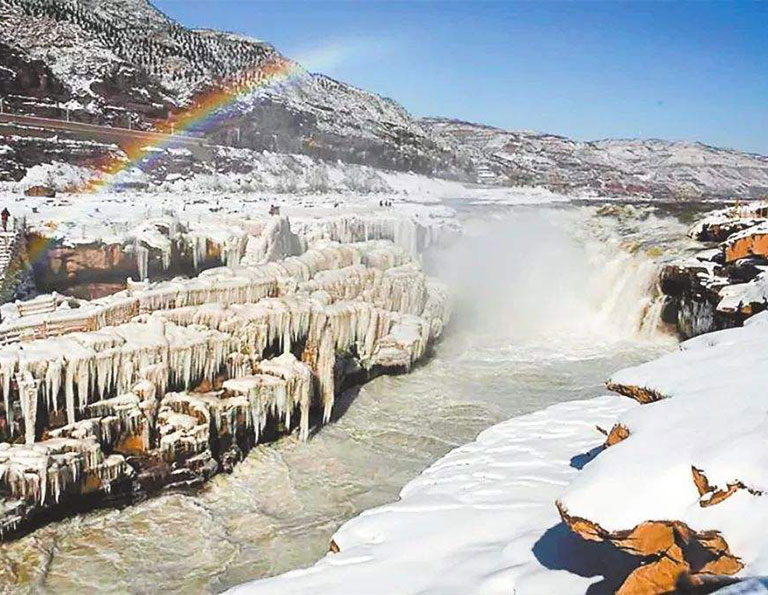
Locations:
5 215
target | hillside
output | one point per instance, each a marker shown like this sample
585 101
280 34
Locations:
124 63
109 61
647 167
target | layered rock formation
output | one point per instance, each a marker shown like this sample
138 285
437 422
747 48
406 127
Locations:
723 285
166 383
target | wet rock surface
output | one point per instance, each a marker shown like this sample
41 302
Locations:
724 284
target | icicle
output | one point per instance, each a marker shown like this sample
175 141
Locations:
69 391
28 399
8 361
166 254
53 381
326 358
142 260
199 250
83 379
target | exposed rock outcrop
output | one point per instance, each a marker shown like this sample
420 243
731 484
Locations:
682 485
721 286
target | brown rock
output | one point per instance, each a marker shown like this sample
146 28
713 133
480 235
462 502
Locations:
668 548
204 387
659 576
585 528
334 547
713 541
40 190
638 393
721 495
618 433
701 481
92 483
132 445
752 245
724 564
648 539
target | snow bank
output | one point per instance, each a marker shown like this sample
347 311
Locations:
480 520
696 456
60 176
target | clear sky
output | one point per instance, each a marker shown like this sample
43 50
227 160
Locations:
588 70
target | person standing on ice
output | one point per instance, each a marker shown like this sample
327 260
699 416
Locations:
5 215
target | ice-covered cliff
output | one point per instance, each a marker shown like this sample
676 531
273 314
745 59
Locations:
165 383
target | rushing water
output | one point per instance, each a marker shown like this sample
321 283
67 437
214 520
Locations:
551 300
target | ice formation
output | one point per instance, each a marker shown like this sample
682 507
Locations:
176 366
404 232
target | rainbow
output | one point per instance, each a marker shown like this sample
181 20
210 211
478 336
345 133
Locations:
205 109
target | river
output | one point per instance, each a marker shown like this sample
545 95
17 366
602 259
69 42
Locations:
550 301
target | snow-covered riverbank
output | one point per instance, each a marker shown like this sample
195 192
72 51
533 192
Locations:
479 520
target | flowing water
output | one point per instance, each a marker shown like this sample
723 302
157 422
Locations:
550 301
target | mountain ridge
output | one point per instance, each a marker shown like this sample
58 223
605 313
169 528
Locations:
111 61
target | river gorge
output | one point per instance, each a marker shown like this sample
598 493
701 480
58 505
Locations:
549 301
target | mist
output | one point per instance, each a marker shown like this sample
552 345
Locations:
548 275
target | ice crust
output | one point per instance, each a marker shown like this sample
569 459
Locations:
108 364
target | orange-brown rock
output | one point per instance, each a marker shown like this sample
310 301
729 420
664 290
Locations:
205 386
638 393
334 547
712 541
665 548
723 564
92 483
659 576
618 433
647 539
586 529
132 445
755 244
720 495
701 481
40 190
716 496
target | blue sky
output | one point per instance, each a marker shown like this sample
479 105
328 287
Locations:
692 71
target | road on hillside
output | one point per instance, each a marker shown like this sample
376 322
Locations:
110 132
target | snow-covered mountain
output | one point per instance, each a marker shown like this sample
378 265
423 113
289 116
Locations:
111 61
648 167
